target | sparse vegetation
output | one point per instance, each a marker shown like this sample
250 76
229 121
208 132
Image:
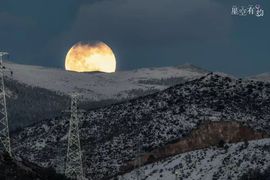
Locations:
27 105
256 174
110 134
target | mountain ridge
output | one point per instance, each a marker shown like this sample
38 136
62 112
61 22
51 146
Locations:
90 86
109 136
29 87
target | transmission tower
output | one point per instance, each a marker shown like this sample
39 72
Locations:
74 168
4 130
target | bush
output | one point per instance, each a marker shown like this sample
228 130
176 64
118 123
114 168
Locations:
256 175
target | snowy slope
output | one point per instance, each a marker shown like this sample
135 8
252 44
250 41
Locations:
109 135
261 77
212 163
27 105
100 86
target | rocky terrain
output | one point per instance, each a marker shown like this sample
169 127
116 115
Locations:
205 136
111 136
232 161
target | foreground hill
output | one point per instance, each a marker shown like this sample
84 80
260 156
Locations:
12 169
232 161
110 136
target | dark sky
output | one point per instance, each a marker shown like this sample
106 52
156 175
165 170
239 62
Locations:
142 33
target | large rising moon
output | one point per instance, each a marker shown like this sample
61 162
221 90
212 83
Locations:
90 57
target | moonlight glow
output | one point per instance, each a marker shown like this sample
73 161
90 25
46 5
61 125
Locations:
90 57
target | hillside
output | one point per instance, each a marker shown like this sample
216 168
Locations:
233 161
261 77
14 169
110 136
36 93
27 104
94 86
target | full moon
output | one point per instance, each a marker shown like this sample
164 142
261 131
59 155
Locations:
90 57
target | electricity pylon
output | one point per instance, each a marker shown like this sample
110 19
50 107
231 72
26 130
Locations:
4 129
74 168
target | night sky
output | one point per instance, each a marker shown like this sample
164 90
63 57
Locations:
142 33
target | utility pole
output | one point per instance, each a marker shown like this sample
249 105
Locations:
74 168
4 129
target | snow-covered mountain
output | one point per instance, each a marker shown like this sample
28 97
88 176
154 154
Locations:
27 104
102 86
110 136
232 162
261 77
36 93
